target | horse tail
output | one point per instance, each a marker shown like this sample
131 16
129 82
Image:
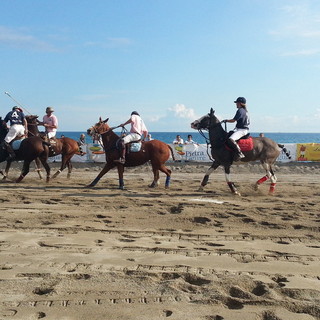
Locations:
287 153
172 154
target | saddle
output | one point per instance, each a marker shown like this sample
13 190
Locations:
15 144
133 146
245 143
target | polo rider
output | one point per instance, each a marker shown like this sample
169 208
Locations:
18 128
137 132
241 129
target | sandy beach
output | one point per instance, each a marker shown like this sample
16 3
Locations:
73 253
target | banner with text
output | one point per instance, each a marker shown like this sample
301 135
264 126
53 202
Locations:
308 151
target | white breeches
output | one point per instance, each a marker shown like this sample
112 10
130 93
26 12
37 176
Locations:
14 131
51 134
131 137
238 133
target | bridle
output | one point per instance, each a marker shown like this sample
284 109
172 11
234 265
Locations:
208 139
100 134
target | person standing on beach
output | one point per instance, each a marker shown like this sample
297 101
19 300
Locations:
138 131
241 129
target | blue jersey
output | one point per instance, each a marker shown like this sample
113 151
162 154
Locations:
15 117
242 118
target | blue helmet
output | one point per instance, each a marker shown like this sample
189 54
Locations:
241 100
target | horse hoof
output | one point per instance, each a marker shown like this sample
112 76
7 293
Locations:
237 193
200 189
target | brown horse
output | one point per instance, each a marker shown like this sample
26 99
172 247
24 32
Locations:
263 149
156 151
67 147
29 150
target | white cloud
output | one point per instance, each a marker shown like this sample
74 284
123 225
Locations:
19 38
181 111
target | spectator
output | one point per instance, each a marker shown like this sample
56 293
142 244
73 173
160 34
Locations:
148 138
178 140
82 139
190 140
261 135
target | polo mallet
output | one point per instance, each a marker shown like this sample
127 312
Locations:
17 102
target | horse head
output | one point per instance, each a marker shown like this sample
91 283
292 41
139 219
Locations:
32 119
3 129
99 128
205 122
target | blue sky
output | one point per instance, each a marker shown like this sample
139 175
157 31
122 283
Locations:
171 60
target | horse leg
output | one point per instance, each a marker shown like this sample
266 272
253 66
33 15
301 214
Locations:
270 175
46 167
155 177
6 171
105 169
205 179
64 163
273 179
167 171
120 174
229 182
38 167
69 165
264 178
25 170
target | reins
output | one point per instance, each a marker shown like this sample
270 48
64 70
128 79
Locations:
208 143
104 132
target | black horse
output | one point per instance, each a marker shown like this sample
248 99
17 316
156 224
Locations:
263 149
30 149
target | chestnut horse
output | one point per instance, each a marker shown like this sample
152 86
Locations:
67 147
156 151
29 150
264 149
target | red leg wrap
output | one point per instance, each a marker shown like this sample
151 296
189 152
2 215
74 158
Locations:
263 179
272 187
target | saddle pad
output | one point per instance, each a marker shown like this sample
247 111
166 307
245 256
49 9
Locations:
246 144
16 144
135 146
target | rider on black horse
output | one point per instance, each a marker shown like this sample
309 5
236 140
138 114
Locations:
137 132
18 127
241 129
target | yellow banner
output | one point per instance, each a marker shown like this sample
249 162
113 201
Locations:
308 151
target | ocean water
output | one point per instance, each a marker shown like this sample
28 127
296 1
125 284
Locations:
168 137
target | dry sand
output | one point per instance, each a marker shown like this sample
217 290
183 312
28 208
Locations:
67 252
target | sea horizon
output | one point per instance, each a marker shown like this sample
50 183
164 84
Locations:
169 136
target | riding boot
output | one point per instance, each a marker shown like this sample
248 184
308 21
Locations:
122 158
238 155
11 152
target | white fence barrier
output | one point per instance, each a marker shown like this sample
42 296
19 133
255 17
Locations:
195 153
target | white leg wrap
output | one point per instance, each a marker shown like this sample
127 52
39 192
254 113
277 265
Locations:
273 179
